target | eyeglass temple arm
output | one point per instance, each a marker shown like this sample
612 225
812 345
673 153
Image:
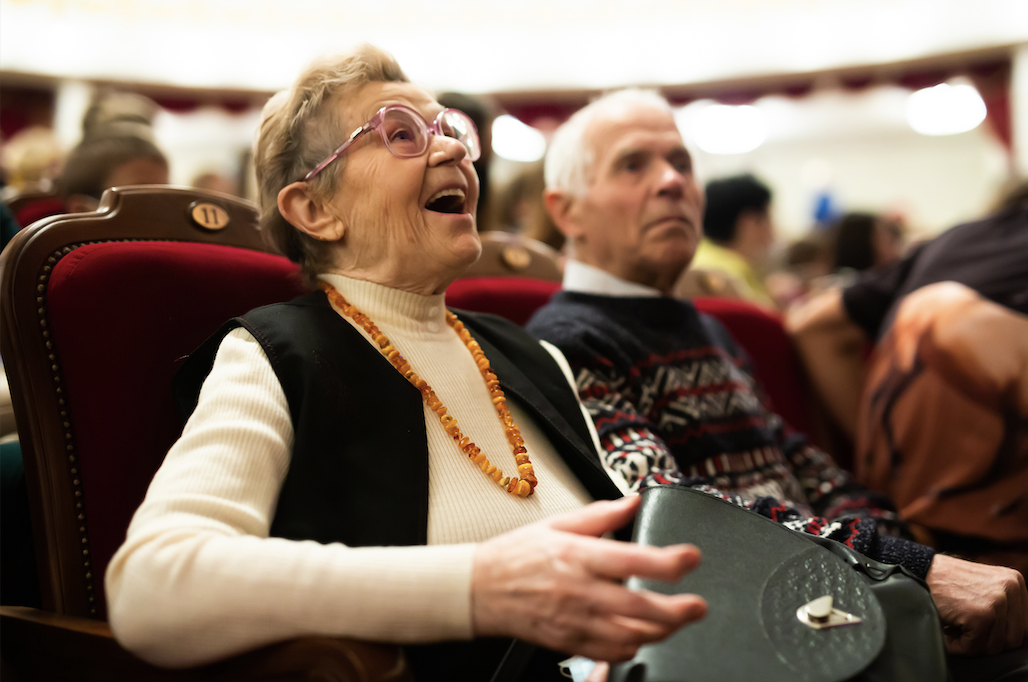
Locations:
335 155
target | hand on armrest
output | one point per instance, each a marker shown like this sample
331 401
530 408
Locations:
984 609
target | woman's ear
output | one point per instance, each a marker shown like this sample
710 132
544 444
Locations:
308 214
561 207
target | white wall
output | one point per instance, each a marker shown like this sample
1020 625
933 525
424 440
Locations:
205 140
1019 108
860 147
935 182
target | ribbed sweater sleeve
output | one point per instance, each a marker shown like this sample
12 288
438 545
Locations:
198 578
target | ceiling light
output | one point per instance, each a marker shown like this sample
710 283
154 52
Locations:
945 109
724 129
515 141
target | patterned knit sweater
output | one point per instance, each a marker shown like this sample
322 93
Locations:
675 402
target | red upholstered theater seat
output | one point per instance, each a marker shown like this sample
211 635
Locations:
99 310
515 298
122 354
759 332
37 210
33 203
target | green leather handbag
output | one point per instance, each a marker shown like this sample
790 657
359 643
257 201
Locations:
782 605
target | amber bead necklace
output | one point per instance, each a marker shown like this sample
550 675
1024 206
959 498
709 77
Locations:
521 487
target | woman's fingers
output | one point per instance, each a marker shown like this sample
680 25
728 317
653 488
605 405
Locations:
614 637
553 584
671 611
595 519
620 560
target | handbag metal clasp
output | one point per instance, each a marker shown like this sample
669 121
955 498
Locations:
820 615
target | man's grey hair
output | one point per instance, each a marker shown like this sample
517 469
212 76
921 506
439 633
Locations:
569 158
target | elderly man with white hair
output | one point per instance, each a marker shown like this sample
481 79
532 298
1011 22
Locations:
672 395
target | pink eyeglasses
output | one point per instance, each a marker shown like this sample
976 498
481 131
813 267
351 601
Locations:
405 133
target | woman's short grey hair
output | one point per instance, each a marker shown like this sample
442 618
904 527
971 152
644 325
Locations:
569 158
299 128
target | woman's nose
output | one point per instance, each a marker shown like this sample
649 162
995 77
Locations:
443 149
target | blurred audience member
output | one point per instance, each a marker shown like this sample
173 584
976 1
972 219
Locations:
941 423
796 268
97 164
738 234
520 208
216 182
864 240
119 114
513 204
31 158
482 113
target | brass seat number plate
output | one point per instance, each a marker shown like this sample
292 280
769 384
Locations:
208 216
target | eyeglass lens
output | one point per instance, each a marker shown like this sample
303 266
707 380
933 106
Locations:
406 134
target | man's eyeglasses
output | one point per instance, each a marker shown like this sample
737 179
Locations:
405 133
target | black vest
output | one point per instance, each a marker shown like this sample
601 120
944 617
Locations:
359 468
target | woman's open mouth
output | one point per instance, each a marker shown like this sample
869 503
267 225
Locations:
447 201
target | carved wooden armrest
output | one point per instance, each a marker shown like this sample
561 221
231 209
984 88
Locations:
40 645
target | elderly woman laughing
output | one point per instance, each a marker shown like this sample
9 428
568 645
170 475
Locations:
362 462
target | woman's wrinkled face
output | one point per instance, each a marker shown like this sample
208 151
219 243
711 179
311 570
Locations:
398 230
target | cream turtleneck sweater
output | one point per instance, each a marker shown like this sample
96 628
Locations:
198 578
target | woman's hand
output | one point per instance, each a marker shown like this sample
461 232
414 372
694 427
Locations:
984 609
557 583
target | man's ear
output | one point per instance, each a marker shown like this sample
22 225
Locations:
308 214
562 208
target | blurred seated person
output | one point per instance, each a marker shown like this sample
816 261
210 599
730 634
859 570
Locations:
31 159
939 414
119 114
212 181
332 477
862 241
738 234
99 163
805 269
670 392
520 208
515 207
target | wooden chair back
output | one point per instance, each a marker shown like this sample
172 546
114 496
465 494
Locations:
33 203
98 310
513 255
